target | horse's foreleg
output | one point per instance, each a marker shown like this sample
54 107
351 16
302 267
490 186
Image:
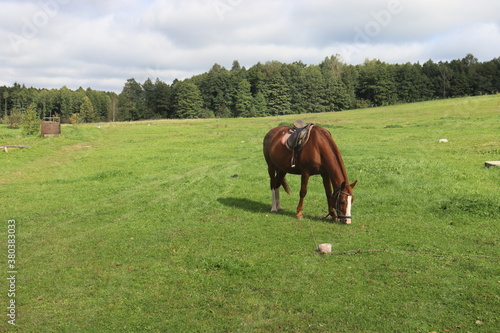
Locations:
304 179
328 191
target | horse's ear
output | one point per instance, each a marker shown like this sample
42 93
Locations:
354 184
343 185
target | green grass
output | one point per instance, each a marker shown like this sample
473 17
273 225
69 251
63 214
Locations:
140 227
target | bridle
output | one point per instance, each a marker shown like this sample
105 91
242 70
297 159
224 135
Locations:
336 195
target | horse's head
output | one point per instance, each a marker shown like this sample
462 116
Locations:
342 202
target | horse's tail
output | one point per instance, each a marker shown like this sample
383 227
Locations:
285 186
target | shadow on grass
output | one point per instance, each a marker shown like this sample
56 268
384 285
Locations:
245 204
259 207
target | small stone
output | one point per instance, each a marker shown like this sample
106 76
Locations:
325 248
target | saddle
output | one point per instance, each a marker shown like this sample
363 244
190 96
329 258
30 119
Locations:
298 135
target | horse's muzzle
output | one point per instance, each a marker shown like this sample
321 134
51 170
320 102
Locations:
344 219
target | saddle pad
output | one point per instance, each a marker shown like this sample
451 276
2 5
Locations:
285 137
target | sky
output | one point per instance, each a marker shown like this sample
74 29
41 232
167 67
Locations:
102 43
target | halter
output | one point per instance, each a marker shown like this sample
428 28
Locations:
336 194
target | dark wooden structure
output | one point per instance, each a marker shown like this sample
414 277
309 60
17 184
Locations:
51 126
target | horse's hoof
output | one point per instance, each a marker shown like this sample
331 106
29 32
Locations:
300 217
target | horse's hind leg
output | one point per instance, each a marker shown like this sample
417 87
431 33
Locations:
276 177
272 180
279 181
275 205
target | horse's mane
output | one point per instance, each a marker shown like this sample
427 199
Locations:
335 150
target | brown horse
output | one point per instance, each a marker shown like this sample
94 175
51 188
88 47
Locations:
320 155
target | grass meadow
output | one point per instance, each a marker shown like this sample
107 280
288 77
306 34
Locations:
164 226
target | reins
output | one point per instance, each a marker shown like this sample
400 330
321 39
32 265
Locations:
415 253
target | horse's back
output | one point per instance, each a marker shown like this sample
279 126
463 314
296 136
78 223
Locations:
274 151
274 136
275 131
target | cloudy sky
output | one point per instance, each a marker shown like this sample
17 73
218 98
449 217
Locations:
102 43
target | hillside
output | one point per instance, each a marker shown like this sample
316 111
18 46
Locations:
165 226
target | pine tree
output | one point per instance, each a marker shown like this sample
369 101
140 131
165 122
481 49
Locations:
444 78
277 95
162 99
377 83
131 101
259 106
236 66
338 82
149 99
215 88
316 91
243 100
188 101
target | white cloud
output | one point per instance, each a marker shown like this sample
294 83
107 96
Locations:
102 43
480 39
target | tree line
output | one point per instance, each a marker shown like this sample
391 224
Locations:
269 89
79 105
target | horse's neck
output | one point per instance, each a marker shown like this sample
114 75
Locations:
336 163
339 173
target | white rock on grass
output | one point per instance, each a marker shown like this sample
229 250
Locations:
325 248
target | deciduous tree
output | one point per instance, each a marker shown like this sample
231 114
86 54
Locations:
87 111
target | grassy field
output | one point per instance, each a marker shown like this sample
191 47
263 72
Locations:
138 227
